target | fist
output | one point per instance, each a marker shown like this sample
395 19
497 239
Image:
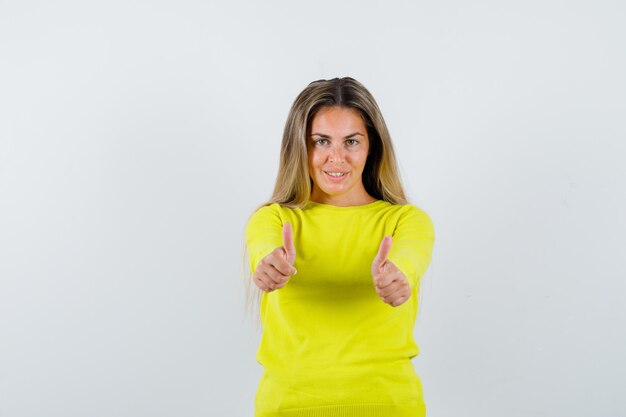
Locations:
391 285
275 269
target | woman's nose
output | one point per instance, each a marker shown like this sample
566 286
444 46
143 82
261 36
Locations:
336 154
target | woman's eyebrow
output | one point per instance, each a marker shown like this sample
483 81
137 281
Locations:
351 135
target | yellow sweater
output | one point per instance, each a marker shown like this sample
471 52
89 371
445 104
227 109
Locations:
330 345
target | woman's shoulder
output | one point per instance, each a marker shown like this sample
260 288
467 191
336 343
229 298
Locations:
410 213
267 207
265 210
269 212
406 209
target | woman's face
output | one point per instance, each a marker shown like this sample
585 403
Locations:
337 148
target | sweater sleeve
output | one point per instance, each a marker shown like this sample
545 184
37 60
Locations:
263 234
412 245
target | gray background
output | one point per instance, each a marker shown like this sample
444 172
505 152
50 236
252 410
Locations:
137 137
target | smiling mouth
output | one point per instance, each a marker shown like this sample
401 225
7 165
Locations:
335 174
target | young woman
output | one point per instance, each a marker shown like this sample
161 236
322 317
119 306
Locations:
338 254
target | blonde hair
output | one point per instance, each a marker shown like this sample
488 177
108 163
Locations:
380 176
293 183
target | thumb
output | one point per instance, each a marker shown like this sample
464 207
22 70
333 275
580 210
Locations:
290 249
381 256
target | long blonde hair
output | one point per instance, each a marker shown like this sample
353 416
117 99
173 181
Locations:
380 175
293 183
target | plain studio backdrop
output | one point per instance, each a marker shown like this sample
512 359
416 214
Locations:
136 137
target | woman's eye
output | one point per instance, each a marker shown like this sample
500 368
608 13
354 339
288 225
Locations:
320 142
352 142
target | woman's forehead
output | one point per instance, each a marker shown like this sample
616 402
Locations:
337 121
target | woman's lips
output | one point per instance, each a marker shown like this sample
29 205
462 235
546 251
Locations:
337 177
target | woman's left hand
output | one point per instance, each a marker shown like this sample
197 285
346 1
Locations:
390 283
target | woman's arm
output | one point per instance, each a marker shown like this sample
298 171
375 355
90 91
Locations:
403 257
271 249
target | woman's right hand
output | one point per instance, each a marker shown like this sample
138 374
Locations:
275 269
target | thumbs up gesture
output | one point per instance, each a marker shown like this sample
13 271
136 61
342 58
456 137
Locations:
390 283
275 269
